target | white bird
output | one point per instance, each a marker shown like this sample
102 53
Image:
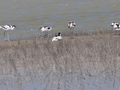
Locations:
116 26
71 25
7 28
45 29
57 37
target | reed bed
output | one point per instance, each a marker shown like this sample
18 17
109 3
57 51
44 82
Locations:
44 53
90 55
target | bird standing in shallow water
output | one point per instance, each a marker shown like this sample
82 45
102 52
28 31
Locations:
7 28
57 37
45 29
71 26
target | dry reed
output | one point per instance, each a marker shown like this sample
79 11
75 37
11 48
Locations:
91 54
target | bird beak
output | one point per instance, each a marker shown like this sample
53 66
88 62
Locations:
17 28
39 30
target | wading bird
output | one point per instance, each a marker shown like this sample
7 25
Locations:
45 29
7 28
71 26
116 26
57 37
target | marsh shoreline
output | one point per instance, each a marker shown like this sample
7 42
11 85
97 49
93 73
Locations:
86 56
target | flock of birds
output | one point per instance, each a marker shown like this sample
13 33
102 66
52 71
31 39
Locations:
45 29
57 37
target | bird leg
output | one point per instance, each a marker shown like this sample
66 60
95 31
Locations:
71 33
6 38
4 33
115 32
46 34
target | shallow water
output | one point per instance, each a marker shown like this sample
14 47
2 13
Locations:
89 15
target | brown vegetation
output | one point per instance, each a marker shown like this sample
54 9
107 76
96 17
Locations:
68 54
90 55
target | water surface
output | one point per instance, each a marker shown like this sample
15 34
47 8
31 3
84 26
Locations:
89 15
